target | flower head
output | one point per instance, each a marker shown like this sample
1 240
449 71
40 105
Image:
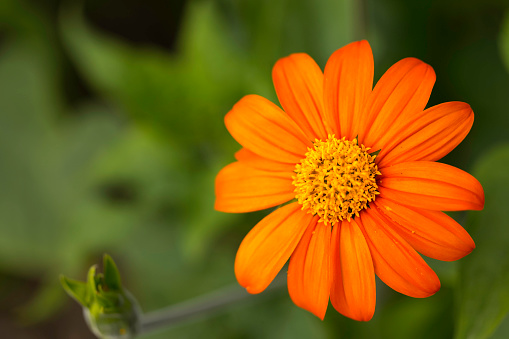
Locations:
358 167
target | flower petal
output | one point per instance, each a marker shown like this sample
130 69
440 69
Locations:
402 91
428 135
263 128
240 188
353 291
299 86
347 84
267 247
309 277
395 261
253 160
432 233
431 185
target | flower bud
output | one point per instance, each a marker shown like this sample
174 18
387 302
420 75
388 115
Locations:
110 311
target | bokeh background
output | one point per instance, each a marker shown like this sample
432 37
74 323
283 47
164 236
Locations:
111 134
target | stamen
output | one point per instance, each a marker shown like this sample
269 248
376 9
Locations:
336 180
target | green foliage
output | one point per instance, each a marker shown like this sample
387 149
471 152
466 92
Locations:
483 293
129 168
111 274
78 290
43 172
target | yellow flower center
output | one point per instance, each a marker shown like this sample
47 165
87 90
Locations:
336 180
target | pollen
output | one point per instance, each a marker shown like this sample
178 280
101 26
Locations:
336 180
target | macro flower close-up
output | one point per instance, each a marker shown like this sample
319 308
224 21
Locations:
354 171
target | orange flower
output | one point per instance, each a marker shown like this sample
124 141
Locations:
360 164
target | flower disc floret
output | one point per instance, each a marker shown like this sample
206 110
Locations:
336 180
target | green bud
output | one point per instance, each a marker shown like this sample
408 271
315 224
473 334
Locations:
110 311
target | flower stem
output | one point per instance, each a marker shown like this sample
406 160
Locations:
203 306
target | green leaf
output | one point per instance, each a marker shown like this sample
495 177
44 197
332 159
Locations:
76 289
483 291
91 281
167 99
111 274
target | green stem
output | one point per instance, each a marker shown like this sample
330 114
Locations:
200 307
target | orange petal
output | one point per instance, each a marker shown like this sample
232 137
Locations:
428 135
347 84
402 91
353 292
299 86
432 233
395 261
251 159
240 188
263 128
267 247
431 185
309 277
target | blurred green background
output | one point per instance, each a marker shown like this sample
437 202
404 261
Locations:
111 134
